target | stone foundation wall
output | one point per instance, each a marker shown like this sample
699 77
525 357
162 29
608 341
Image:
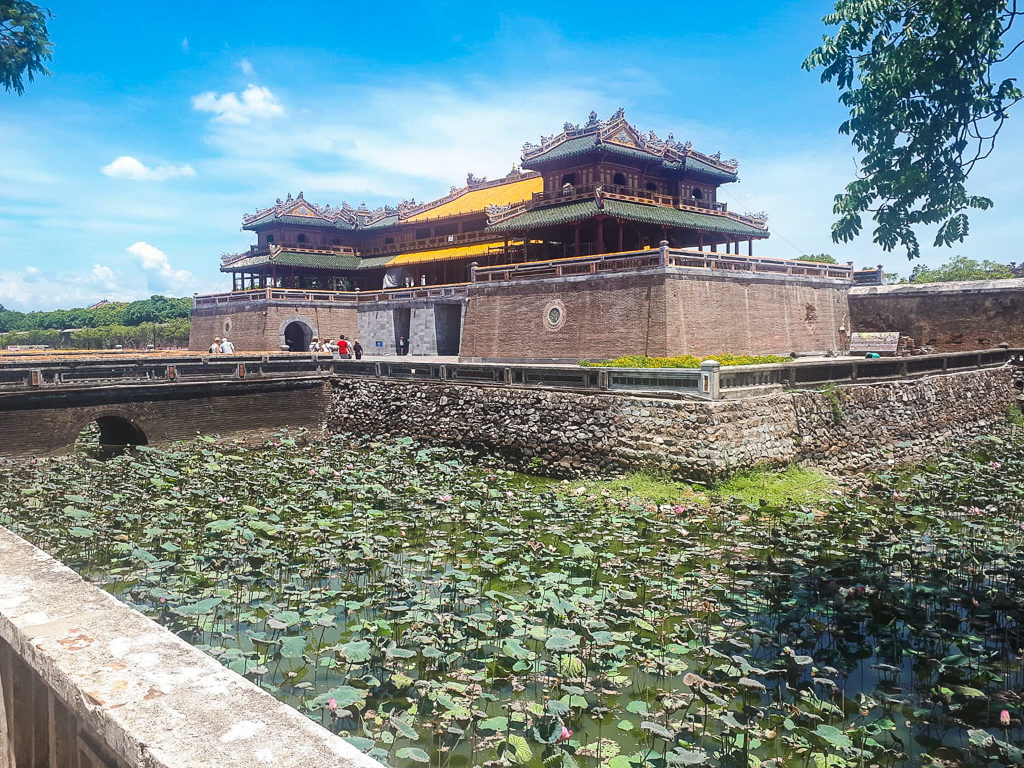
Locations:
950 317
844 429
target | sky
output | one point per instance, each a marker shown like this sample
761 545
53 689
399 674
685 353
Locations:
126 173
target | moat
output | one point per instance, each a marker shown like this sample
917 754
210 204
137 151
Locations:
433 609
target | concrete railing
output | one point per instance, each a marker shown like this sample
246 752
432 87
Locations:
708 382
452 290
86 681
655 258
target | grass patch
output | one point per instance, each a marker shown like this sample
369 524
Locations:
792 485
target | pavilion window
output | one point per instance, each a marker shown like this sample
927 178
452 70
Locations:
697 193
301 238
423 233
570 179
651 186
389 241
270 239
619 180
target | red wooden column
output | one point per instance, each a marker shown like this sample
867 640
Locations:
576 239
600 234
750 246
619 222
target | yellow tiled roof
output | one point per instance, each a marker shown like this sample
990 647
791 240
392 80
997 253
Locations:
445 254
478 199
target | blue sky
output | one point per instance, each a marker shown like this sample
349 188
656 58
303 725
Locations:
127 172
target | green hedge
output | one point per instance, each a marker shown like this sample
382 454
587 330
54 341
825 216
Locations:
683 361
173 333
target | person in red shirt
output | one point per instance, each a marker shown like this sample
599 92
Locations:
343 348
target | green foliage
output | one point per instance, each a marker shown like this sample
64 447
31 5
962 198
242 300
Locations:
835 402
917 78
155 309
792 485
24 43
961 268
683 361
1015 416
819 258
457 615
173 333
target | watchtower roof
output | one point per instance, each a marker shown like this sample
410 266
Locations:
616 136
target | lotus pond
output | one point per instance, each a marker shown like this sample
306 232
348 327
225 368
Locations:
433 610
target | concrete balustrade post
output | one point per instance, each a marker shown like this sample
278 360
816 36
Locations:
710 379
472 272
663 247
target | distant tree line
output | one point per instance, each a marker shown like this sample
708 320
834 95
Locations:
957 268
155 309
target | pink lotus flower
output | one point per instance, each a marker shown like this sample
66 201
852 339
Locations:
333 705
566 733
995 465
1004 718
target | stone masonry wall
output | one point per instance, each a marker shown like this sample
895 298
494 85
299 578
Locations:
950 317
845 429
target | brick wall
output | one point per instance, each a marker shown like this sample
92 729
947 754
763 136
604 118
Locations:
947 316
754 315
257 326
669 312
237 409
600 317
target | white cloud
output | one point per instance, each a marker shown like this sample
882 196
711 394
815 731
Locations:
128 167
255 102
184 44
104 277
246 66
161 277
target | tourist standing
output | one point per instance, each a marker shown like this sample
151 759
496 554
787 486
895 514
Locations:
343 348
215 347
314 345
403 345
357 349
226 347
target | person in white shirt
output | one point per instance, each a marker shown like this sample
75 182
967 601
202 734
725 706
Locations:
226 347
215 347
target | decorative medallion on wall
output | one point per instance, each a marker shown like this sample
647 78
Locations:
554 315
227 326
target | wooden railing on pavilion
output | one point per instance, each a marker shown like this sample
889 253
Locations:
628 194
646 259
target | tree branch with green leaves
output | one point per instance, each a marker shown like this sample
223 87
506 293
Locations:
925 107
25 44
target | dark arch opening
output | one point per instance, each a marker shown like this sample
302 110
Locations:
119 431
619 179
297 336
698 194
109 436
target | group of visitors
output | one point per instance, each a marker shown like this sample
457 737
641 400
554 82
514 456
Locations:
342 348
221 346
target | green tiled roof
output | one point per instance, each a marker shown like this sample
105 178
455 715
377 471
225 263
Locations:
551 216
585 144
304 221
339 261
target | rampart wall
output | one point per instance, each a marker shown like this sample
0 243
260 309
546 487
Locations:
947 316
259 326
843 429
670 311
